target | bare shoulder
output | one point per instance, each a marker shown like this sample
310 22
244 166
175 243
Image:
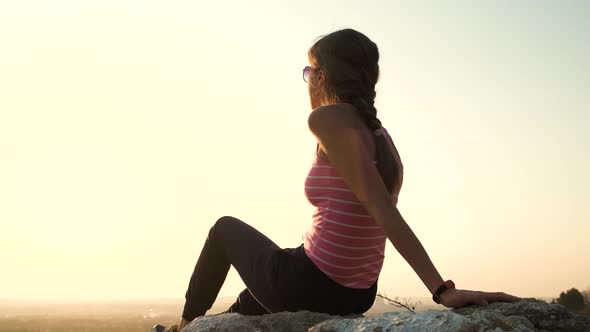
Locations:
332 118
341 124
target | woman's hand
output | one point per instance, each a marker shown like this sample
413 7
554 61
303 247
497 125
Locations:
456 298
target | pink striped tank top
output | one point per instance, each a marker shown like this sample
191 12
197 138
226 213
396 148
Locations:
343 241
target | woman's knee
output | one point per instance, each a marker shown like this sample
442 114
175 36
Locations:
222 231
226 224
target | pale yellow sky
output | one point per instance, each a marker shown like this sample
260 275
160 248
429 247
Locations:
128 128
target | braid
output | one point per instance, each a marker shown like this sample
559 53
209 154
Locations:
365 105
363 98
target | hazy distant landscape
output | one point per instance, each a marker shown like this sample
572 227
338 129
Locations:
140 315
127 128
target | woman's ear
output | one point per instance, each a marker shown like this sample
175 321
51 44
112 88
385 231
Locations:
316 79
321 77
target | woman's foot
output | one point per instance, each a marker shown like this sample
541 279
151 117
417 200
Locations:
161 328
173 328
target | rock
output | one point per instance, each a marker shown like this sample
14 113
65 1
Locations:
526 315
282 321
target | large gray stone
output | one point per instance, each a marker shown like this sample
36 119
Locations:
282 321
526 315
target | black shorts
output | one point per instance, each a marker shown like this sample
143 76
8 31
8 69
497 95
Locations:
276 279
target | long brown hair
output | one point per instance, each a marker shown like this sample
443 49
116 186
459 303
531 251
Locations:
351 62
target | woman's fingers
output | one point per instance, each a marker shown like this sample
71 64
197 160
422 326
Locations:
484 298
501 297
508 297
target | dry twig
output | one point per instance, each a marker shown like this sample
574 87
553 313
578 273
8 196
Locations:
406 303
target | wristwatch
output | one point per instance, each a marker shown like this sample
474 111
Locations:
449 284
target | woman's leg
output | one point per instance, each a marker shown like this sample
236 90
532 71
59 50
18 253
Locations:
233 242
246 304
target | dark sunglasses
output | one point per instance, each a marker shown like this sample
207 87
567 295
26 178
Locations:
306 71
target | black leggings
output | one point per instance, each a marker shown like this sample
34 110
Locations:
276 279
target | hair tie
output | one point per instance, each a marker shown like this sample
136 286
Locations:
378 131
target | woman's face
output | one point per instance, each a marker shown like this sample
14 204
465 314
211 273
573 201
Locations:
315 81
314 86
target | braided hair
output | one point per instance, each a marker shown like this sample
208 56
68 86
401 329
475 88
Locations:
351 62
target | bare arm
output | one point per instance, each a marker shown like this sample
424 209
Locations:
405 241
342 141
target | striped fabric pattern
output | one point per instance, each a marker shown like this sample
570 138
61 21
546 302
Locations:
343 241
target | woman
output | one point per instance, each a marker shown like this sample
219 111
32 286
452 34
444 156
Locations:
354 182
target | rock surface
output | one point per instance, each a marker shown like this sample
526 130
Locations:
526 315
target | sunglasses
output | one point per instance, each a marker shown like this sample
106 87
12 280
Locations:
306 71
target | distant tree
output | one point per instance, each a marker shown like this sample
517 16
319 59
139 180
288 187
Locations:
586 295
571 299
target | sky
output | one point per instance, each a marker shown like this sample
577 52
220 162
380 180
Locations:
127 128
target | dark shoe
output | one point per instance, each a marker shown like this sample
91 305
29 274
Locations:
160 328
